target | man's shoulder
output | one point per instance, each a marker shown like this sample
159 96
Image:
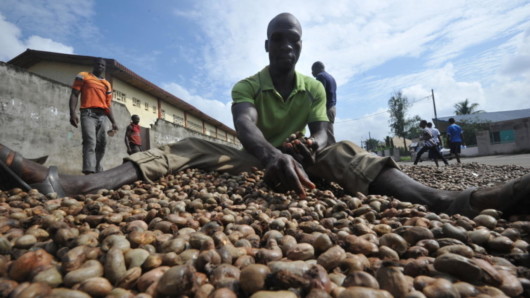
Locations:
82 75
251 81
309 82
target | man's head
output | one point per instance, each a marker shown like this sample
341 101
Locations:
99 67
135 119
423 123
317 68
451 120
429 124
284 42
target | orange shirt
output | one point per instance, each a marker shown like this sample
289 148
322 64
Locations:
95 92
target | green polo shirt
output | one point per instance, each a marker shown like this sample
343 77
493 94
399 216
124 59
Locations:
278 118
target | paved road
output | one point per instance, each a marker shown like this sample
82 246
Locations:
496 160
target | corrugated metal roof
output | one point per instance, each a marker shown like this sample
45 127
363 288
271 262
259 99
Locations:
116 69
490 116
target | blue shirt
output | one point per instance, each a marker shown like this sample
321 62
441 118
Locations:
454 131
330 86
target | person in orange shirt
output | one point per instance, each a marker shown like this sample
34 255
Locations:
133 139
95 110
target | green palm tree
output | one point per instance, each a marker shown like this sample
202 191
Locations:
465 108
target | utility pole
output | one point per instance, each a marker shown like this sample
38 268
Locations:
434 105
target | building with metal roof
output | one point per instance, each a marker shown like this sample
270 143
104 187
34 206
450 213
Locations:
509 131
140 96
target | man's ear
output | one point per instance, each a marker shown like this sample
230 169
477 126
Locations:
267 45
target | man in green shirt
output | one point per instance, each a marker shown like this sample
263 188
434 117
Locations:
267 108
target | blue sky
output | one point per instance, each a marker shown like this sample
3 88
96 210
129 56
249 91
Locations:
197 50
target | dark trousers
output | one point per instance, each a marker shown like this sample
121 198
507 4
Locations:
134 148
435 153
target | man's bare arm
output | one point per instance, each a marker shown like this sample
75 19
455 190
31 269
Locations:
318 132
74 100
245 118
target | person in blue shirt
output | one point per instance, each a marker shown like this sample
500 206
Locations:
319 72
454 138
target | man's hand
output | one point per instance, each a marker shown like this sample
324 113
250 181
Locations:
301 148
284 173
74 120
114 126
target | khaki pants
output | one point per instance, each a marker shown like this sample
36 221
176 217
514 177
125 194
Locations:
344 163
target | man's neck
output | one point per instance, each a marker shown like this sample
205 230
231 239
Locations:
283 82
99 76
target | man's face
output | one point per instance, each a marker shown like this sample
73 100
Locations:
315 71
99 67
284 45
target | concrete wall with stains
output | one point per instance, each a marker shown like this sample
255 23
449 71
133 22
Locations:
34 120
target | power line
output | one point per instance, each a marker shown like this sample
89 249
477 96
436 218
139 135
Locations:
375 114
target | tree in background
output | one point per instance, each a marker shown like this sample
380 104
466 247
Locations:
466 108
397 108
412 128
389 143
372 144
400 125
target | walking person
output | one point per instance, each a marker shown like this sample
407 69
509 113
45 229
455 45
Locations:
319 72
436 135
95 111
429 144
133 139
454 138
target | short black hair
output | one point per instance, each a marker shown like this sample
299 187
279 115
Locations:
319 66
423 122
451 120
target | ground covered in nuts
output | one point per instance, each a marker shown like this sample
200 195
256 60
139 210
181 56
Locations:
200 234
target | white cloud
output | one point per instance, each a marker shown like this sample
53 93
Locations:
213 108
12 44
55 19
46 44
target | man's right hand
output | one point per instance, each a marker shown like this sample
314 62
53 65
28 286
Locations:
74 120
284 173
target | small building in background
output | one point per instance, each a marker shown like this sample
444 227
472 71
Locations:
507 131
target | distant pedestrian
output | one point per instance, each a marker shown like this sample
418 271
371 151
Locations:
319 72
429 144
133 139
95 109
454 138
436 135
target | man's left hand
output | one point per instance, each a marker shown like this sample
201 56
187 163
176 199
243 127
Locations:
301 148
